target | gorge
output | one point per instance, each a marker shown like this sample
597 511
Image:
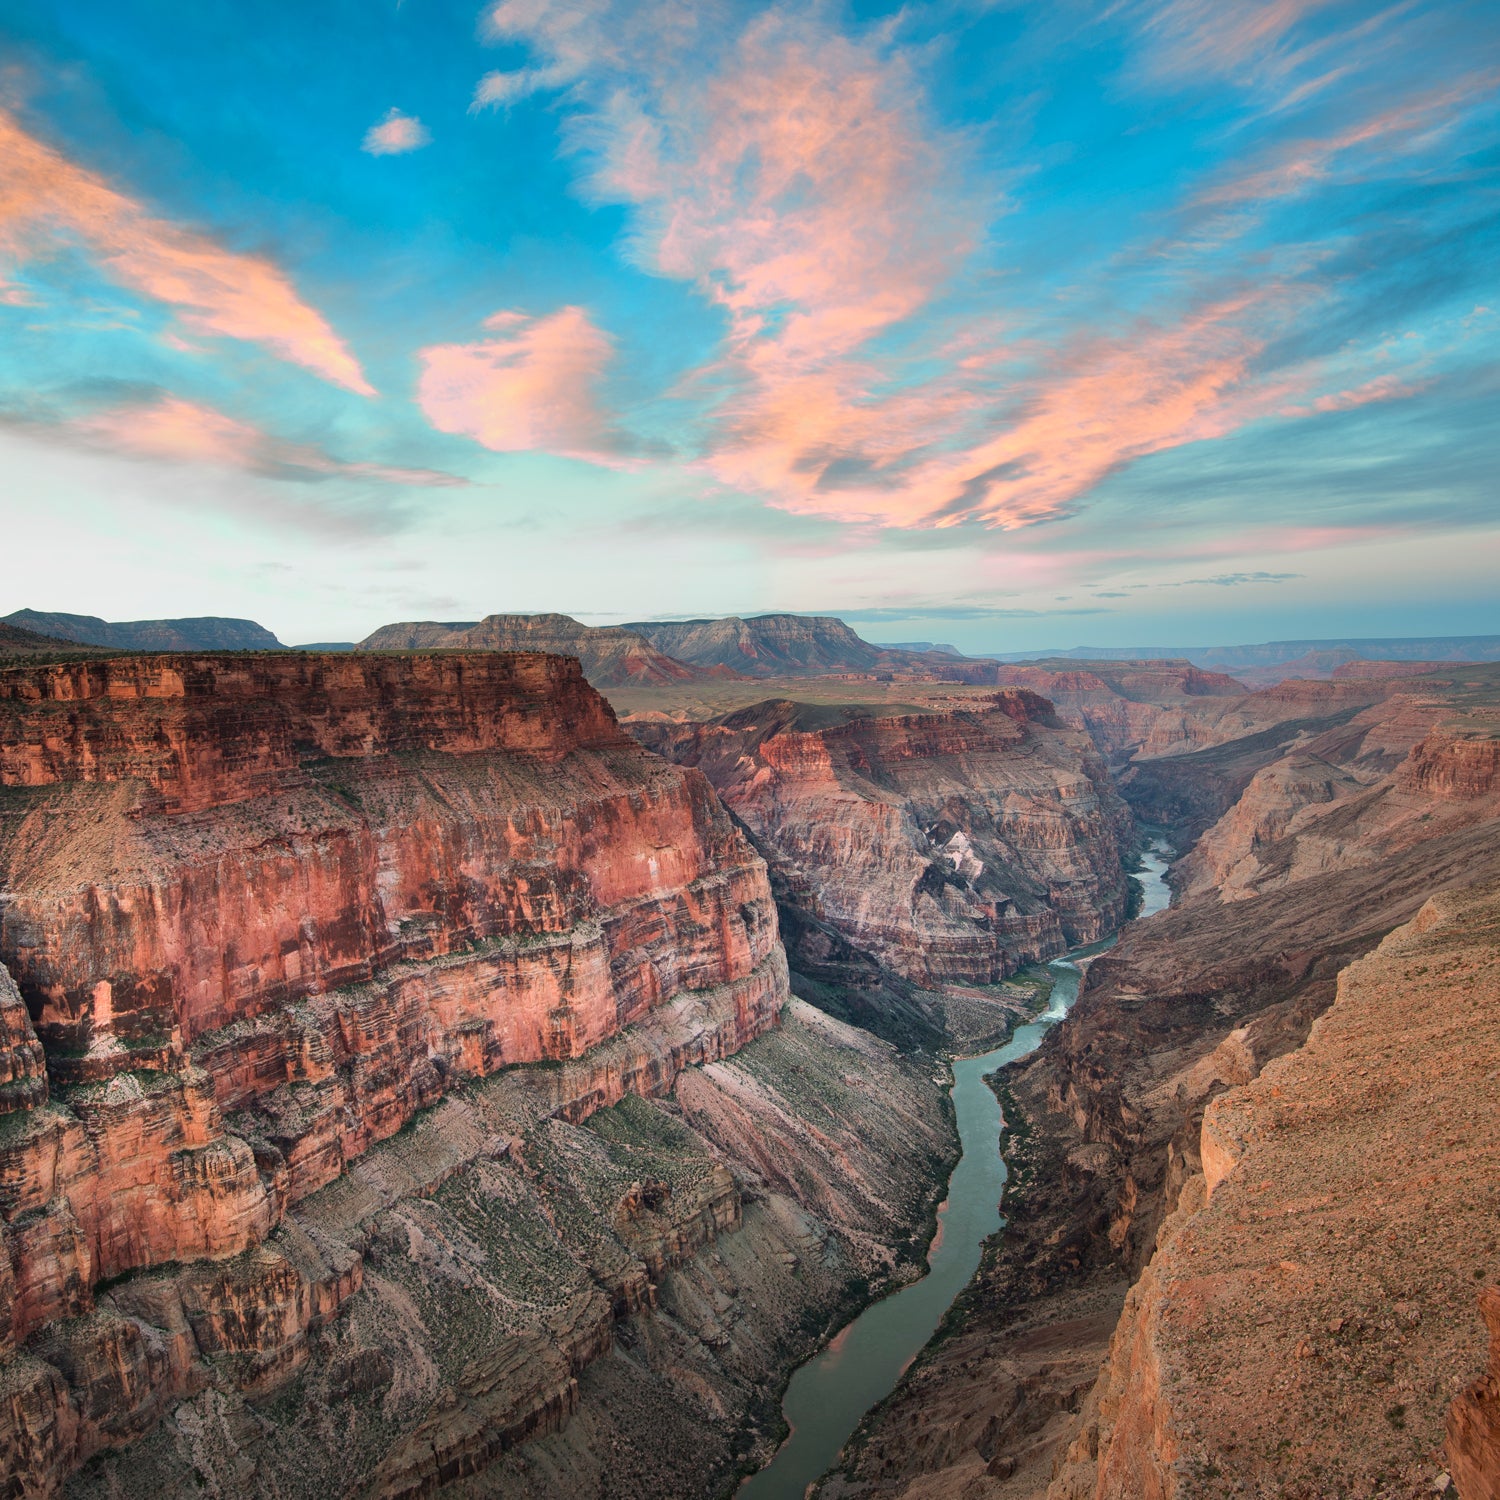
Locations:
403 1090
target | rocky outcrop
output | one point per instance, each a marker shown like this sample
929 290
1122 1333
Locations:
1473 1444
1397 774
1129 707
263 911
1319 1283
612 656
952 847
527 1305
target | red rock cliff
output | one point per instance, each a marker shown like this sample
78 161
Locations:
952 846
311 894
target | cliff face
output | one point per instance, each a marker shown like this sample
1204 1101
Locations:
1397 774
1309 1309
262 911
1130 707
505 1300
1111 1137
612 656
953 847
1474 1418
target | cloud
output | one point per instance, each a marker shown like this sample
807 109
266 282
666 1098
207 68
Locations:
531 386
1410 126
47 202
795 175
898 613
1247 40
1234 580
180 431
396 134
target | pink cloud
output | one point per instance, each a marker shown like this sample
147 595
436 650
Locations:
794 175
531 386
180 431
1300 164
1245 40
45 199
396 134
1384 388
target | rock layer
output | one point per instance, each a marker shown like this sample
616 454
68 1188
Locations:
1474 1418
953 847
1320 1280
1109 1126
264 910
527 1305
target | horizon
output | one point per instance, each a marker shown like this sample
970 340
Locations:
1007 326
883 639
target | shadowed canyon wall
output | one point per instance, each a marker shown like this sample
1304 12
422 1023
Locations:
952 847
1344 832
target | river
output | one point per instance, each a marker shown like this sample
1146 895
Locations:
829 1394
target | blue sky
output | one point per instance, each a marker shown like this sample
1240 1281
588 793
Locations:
1015 325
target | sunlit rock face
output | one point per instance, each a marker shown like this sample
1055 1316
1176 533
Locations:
612 655
954 847
261 911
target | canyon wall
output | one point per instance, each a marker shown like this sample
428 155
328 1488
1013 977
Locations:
262 912
503 1300
952 847
1109 1143
1310 1308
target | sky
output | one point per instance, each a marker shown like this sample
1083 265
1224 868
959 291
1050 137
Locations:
1011 325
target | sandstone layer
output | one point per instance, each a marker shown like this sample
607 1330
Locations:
263 911
1129 707
951 847
1418 764
504 1301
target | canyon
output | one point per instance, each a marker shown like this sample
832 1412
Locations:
402 1090
950 847
1119 1123
266 912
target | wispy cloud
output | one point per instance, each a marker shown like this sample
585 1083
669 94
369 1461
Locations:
169 427
530 386
396 134
1245 40
794 173
48 202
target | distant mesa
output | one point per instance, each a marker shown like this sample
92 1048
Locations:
611 655
1276 661
764 645
198 633
16 641
325 646
924 646
787 646
663 652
